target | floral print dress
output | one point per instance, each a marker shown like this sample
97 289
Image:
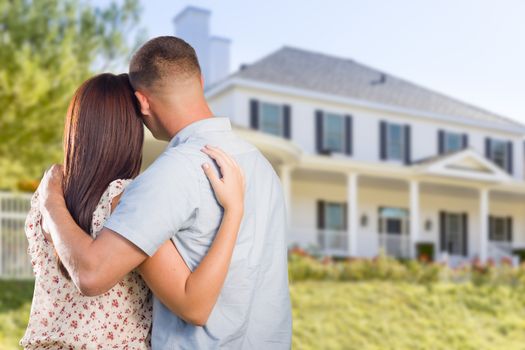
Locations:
62 318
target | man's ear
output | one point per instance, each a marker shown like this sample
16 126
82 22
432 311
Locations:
202 81
143 102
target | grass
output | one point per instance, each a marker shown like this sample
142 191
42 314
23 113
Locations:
386 315
15 304
365 315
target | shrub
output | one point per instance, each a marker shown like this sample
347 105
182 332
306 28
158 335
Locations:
303 266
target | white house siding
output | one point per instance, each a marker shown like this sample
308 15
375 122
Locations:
424 132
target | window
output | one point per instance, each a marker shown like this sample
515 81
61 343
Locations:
393 221
395 141
334 133
452 142
500 229
498 152
271 119
334 216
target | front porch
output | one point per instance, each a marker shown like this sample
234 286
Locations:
461 205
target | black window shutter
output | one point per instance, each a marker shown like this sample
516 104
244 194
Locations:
490 229
408 148
254 114
287 121
509 228
441 142
319 131
349 133
442 240
509 157
465 141
345 216
487 147
320 214
382 140
465 234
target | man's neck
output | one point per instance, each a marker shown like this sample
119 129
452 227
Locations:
189 117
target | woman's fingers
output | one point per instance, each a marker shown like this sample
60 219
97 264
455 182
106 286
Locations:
217 157
210 174
224 161
227 158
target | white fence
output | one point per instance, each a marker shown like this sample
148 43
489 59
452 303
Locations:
14 260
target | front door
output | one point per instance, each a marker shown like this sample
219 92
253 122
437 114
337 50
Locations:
393 231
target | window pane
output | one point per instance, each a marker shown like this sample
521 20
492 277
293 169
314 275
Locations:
334 216
453 142
393 226
271 119
499 153
395 141
499 230
454 234
334 136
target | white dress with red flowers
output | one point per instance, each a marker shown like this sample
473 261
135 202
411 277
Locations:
62 318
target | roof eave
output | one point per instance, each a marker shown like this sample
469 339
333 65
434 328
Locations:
234 81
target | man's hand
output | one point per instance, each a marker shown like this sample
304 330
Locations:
50 190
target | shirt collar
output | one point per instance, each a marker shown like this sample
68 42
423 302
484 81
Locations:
205 125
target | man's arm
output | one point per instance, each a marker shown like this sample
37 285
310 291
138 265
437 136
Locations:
192 295
95 265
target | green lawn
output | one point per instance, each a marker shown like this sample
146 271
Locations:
366 315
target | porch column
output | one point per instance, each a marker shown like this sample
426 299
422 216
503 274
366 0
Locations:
414 217
352 213
483 224
286 181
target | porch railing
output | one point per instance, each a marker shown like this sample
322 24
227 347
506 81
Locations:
14 260
500 250
326 242
395 245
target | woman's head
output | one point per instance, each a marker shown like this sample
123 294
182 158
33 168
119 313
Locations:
103 140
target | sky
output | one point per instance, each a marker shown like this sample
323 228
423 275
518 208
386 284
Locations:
473 50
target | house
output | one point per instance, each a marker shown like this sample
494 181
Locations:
370 162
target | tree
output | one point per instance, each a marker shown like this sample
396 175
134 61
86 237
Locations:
47 49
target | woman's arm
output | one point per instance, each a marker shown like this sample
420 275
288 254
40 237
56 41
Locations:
192 295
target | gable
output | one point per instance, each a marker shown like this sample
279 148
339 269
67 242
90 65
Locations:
466 164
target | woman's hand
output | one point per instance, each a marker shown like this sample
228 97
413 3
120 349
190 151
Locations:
229 189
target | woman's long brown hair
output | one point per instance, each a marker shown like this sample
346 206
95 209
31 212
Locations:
103 140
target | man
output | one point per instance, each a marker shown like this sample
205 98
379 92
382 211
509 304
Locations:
173 200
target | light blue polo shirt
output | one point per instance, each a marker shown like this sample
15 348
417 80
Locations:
173 200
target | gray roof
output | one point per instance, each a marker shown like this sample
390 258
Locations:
344 77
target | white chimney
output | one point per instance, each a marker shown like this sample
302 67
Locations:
193 25
220 58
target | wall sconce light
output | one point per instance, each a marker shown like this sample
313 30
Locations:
428 225
364 220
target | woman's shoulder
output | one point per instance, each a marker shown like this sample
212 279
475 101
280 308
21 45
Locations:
104 207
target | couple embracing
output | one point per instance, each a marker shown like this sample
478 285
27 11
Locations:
190 254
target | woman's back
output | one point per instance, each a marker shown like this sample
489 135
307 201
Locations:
61 317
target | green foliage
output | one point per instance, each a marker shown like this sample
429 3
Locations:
302 267
365 315
15 304
47 49
425 251
399 315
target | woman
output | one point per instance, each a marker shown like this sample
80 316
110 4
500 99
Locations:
102 152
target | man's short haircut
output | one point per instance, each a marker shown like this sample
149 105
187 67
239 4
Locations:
162 59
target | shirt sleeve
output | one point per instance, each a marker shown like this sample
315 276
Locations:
158 203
